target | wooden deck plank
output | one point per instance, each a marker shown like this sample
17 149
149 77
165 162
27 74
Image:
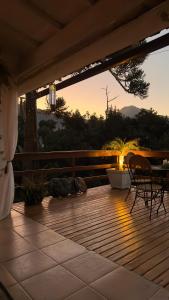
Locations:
120 234
100 220
145 257
163 279
152 262
159 269
147 237
134 257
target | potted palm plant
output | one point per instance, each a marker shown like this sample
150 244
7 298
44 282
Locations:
119 177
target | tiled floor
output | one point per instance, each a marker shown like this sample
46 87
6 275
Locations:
99 220
39 264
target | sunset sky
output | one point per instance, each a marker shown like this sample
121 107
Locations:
89 94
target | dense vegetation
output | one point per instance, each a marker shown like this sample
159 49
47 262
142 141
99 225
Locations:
92 132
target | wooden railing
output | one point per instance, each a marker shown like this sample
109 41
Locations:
73 156
73 167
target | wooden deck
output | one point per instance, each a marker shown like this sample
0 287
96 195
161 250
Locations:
100 221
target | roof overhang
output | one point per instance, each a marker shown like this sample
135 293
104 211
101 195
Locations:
41 41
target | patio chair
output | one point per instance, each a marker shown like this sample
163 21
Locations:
147 187
165 184
133 181
126 161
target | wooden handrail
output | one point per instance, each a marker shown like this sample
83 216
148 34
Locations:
73 155
84 153
152 153
63 170
64 154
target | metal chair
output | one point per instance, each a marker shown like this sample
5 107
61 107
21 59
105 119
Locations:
147 187
133 181
126 161
165 185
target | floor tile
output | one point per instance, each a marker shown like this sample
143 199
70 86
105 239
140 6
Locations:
161 294
45 238
85 294
15 248
15 213
18 293
56 283
5 223
5 277
123 284
29 229
7 235
29 264
11 222
64 250
90 266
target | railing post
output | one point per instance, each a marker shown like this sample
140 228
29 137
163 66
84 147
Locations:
73 166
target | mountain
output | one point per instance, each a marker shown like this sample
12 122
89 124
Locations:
130 111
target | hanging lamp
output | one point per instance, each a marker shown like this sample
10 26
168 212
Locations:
52 97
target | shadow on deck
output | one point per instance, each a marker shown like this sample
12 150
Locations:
100 221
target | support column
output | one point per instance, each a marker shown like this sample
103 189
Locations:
30 137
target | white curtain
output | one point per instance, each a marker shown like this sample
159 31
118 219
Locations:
8 141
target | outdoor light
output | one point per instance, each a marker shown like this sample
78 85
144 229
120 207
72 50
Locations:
121 162
52 96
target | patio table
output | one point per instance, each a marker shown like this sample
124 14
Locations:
160 170
163 175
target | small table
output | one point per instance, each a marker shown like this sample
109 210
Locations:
160 170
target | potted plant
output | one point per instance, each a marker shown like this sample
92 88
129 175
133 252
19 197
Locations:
119 177
33 192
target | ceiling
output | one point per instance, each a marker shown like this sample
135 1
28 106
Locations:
41 41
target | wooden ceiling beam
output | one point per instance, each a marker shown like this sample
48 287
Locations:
41 13
73 40
92 2
87 25
21 35
49 62
114 60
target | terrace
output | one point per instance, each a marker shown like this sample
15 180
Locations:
45 250
91 237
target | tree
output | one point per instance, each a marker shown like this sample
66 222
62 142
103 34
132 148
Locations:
75 120
92 132
113 124
46 134
60 109
108 100
151 127
30 136
130 76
